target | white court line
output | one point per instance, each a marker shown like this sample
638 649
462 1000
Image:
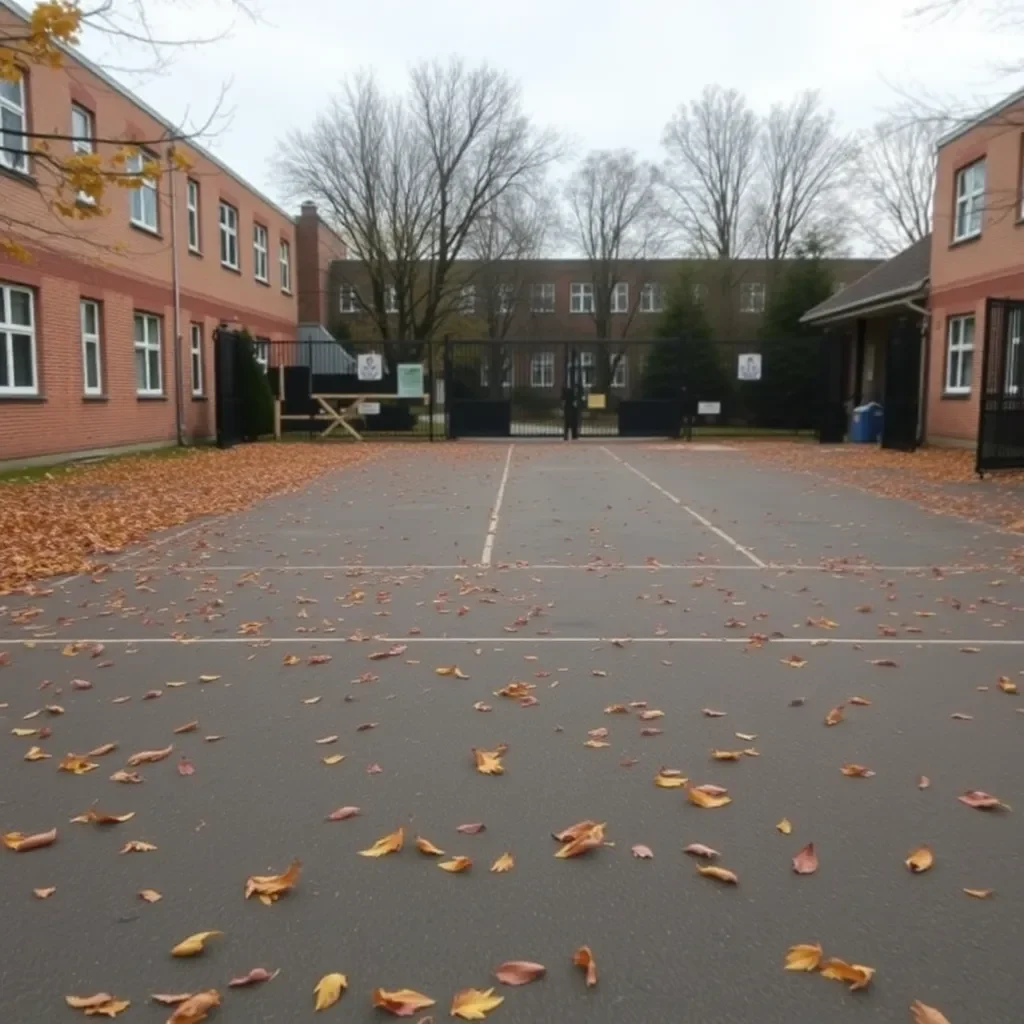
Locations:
306 638
492 527
849 570
686 508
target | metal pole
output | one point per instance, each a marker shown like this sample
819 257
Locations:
179 411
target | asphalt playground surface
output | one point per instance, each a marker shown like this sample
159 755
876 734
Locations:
602 574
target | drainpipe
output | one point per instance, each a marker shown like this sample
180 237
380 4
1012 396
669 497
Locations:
179 412
922 384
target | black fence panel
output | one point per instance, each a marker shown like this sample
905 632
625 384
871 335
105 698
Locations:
1001 408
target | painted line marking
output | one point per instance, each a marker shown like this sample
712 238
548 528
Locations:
696 515
492 526
306 638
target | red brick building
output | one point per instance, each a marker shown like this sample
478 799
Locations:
106 332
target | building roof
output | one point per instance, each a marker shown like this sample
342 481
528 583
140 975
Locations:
903 277
20 12
968 125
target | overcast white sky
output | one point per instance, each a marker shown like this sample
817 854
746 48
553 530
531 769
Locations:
607 74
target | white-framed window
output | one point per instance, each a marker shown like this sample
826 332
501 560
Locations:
1015 334
619 374
92 370
17 341
507 373
82 134
959 354
586 370
650 298
144 199
260 254
148 355
542 297
228 236
620 297
348 299
192 206
588 363
467 300
390 299
261 349
284 261
506 298
970 201
195 352
752 297
542 370
581 297
700 292
13 144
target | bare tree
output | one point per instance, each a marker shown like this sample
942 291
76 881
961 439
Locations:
802 176
712 159
407 179
895 182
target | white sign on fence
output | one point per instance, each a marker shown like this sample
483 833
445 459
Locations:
410 380
370 366
369 408
709 408
749 366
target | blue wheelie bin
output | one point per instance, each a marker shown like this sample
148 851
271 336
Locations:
866 423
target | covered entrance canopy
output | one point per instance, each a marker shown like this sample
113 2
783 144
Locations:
875 332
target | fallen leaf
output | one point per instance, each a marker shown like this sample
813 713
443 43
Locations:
208 679
805 862
471 829
719 874
150 895
366 726
456 865
102 750
137 846
666 781
857 771
711 713
567 835
21 842
700 850
373 769
506 862
649 716
36 754
76 764
835 716
194 944
128 777
616 709
726 755
1007 685
643 852
699 796
857 975
474 1003
859 701
403 1002
515 690
883 663
328 990
583 843
451 670
271 888
95 817
583 957
391 843
920 859
980 894
923 782
488 762
291 659
100 1005
193 1010
596 744
519 972
959 716
149 756
45 894
342 813
748 736
804 957
187 727
794 661
982 801
166 999
922 1014
427 847
185 766
785 826
481 706
970 650
323 741
152 694
333 759
254 977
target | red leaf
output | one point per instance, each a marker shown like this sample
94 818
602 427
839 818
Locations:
471 829
806 861
256 975
519 972
186 767
643 852
342 813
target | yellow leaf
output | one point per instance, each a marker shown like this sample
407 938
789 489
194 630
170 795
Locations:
403 1002
291 659
193 1008
208 679
95 817
76 764
583 957
504 863
270 888
785 826
835 716
670 781
726 755
391 843
456 865
328 990
99 1005
1007 685
857 975
596 744
803 957
980 894
719 874
488 762
333 759
701 798
474 1003
23 733
150 895
920 860
194 944
450 670
36 754
427 847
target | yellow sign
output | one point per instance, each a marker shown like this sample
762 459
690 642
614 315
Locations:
595 401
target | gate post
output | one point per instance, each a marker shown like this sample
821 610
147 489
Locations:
447 360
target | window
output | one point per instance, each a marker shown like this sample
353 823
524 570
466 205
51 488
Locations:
970 201
587 370
148 368
542 370
1014 366
959 355
259 253
650 298
752 297
284 260
195 349
506 298
349 299
92 376
144 198
620 298
588 362
192 205
581 298
542 298
13 150
507 375
228 236
261 350
82 133
467 300
390 299
17 342
700 292
619 376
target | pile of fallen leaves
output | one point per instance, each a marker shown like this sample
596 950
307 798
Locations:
58 523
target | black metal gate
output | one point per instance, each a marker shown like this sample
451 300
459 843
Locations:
902 386
228 394
1001 413
558 389
832 368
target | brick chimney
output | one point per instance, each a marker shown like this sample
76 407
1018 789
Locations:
316 245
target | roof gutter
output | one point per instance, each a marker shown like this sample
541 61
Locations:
850 309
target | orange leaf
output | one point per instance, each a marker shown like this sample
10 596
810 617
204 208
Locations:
76 764
99 1005
403 1002
194 1009
488 762
857 771
21 842
95 817
137 846
920 859
148 756
699 796
589 840
427 847
804 957
857 975
567 835
519 972
1007 685
666 781
794 661
805 862
187 727
719 874
584 958
982 801
328 990
456 865
859 701
391 843
270 888
835 716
